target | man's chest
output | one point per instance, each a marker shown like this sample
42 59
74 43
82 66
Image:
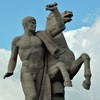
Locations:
27 42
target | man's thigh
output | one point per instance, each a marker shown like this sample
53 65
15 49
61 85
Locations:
28 84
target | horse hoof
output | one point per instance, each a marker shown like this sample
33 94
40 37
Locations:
68 84
86 84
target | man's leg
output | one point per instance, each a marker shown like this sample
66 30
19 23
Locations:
28 86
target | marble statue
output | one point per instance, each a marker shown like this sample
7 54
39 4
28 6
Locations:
48 65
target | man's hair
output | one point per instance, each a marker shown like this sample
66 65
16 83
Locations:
26 20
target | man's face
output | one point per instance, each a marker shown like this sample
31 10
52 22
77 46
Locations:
31 26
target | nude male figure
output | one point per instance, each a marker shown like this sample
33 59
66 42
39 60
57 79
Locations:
32 53
30 50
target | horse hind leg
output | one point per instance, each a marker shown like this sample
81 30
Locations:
84 58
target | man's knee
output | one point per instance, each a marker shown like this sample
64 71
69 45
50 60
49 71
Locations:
30 93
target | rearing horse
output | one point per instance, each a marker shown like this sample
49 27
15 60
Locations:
72 66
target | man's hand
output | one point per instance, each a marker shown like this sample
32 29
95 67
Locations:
8 74
51 7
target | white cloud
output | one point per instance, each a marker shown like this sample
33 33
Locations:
86 39
10 89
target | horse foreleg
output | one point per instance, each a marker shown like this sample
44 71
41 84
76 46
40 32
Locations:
60 66
65 74
87 72
76 65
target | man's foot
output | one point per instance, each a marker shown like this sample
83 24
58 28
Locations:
67 83
86 84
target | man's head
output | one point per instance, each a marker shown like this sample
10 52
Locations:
29 23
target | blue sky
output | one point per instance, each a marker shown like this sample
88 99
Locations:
82 35
13 11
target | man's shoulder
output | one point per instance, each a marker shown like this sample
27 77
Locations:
16 39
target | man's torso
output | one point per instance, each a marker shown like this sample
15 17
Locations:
31 52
